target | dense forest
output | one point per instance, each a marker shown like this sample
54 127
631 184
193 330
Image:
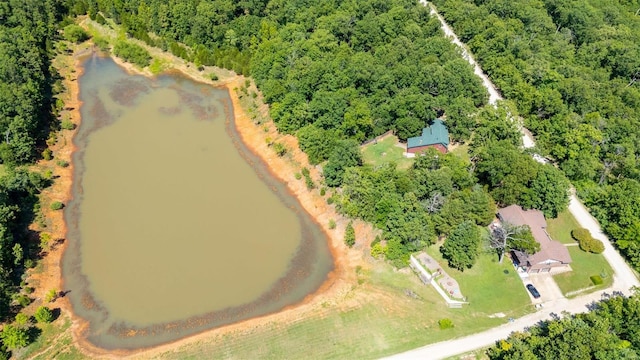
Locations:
28 29
572 67
603 333
338 73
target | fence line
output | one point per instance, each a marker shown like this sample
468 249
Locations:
430 279
377 138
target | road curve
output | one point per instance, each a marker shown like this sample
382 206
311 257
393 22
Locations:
624 278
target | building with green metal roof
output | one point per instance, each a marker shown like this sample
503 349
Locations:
435 136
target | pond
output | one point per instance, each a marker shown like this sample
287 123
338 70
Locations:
174 226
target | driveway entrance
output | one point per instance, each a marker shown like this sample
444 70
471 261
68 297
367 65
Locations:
547 287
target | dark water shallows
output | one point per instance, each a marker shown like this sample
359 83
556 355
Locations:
173 229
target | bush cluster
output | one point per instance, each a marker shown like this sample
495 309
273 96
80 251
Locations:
596 279
587 242
445 324
132 53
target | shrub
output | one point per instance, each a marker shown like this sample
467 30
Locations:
307 179
29 263
377 250
592 245
75 33
280 149
580 234
56 205
213 77
52 139
14 337
47 154
596 279
51 295
22 319
445 324
332 224
67 125
44 315
323 191
62 163
44 240
350 235
297 176
587 242
23 300
132 53
101 43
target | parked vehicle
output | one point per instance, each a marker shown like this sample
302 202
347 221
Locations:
532 289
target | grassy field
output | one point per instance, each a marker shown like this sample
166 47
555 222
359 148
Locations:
385 151
560 227
390 312
390 322
584 265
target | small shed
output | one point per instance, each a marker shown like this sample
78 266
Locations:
435 136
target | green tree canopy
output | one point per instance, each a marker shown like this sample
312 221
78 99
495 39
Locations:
461 248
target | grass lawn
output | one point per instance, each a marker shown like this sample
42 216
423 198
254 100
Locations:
489 286
385 151
461 151
584 265
560 227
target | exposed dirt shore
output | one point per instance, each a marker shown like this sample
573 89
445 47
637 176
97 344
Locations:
48 276
254 136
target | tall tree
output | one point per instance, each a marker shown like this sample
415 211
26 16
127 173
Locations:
462 246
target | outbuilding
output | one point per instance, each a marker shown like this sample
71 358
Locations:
435 136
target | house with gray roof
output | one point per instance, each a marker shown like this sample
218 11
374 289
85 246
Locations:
552 253
435 136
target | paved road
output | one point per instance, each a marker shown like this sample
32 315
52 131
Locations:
623 279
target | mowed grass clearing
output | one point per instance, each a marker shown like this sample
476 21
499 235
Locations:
584 266
490 287
560 227
385 151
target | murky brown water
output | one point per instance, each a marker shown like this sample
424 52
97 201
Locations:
171 230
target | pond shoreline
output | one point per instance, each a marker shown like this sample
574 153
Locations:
254 137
